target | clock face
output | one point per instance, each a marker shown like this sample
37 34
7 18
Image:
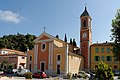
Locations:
84 35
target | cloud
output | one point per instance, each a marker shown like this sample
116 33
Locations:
10 16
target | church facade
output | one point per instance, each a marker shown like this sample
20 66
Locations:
53 56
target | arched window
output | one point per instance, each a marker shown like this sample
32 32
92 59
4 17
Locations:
84 23
43 46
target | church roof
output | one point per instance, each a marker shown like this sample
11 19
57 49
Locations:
85 13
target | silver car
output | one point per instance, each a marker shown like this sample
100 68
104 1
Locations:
22 72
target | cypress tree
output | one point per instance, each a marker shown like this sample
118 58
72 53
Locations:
71 41
65 39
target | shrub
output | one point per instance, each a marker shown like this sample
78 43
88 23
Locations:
103 72
1 69
118 77
28 75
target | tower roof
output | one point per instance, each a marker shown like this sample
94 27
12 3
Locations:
85 13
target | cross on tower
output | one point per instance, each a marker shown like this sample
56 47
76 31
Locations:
44 28
85 4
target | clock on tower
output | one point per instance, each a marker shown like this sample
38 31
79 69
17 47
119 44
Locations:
85 37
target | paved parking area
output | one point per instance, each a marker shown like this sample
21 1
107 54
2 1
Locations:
14 77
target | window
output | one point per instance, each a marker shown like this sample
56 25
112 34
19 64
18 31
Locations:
23 57
30 58
84 23
115 59
43 46
97 50
58 57
102 58
96 66
97 58
108 58
115 66
108 50
102 50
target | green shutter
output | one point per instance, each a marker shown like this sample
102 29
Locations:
106 58
102 58
94 58
98 58
96 50
110 58
108 50
102 50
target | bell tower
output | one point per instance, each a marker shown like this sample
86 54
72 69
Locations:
85 37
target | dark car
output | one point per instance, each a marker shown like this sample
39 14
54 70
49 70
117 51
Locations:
9 71
39 75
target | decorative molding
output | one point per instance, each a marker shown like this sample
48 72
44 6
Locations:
47 40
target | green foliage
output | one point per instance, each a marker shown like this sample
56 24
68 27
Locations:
57 36
10 66
69 76
74 42
18 42
28 75
104 72
4 64
71 41
116 35
1 69
65 39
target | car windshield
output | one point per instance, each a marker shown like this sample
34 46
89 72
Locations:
81 72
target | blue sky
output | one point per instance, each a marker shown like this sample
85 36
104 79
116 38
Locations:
58 16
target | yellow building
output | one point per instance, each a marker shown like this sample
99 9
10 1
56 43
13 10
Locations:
53 56
103 52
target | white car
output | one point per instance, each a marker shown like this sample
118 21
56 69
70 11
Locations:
83 74
22 72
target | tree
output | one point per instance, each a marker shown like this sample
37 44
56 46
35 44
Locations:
103 72
3 64
57 36
74 42
18 42
10 66
65 39
116 35
71 41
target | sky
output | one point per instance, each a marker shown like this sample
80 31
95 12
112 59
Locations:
60 17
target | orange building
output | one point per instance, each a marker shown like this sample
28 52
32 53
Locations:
52 55
17 58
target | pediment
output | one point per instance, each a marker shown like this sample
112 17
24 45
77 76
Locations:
44 37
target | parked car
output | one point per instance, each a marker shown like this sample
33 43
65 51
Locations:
22 72
9 71
40 74
15 71
92 75
83 74
116 73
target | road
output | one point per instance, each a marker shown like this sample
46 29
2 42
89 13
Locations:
14 77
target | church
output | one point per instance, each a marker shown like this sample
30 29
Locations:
55 56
